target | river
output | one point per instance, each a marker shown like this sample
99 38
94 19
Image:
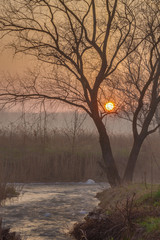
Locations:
48 211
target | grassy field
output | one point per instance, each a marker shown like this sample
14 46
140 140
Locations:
63 156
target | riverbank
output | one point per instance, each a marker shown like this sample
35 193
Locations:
7 192
126 213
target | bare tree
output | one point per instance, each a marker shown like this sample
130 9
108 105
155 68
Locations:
83 42
140 86
157 116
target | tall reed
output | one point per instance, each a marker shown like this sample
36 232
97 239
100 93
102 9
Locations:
33 157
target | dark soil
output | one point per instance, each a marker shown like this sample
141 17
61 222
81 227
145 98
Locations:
5 234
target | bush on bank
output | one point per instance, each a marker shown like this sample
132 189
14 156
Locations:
7 191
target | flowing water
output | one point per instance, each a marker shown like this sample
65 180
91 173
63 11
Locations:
48 211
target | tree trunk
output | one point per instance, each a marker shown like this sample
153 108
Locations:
129 171
110 166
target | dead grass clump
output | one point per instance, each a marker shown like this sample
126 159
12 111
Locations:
92 229
7 191
112 227
107 225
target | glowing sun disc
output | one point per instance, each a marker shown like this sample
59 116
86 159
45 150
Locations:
109 106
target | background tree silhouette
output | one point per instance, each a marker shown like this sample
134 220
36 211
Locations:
140 85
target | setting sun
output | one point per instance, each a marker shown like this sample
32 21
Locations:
109 106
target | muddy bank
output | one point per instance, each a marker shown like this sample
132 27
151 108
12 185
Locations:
129 212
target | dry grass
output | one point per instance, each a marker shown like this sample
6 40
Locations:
109 198
7 191
31 157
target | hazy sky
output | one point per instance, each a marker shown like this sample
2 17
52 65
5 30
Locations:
11 63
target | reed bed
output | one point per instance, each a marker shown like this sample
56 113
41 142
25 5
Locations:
55 156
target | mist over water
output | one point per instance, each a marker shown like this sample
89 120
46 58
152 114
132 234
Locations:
62 120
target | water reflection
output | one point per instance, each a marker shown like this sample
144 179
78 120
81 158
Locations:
47 211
